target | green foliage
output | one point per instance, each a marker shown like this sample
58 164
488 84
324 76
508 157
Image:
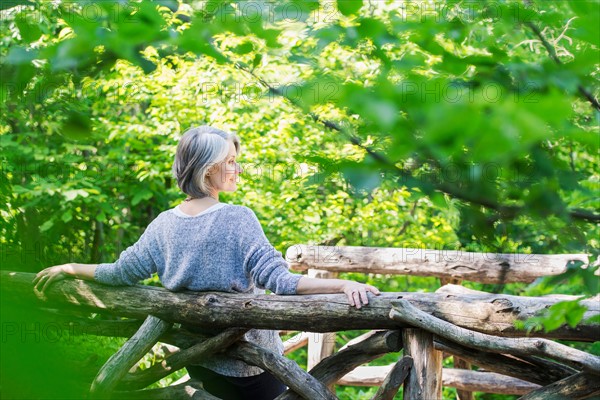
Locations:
363 123
564 312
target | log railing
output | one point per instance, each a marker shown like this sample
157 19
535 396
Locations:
478 327
443 264
450 266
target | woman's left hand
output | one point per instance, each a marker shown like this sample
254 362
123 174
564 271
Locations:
47 276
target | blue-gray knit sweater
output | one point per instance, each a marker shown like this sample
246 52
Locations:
224 249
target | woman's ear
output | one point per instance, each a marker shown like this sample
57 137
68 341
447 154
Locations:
211 170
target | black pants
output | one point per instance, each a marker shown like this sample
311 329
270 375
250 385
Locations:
259 387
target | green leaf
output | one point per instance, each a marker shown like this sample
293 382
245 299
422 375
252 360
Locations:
243 48
70 195
587 27
570 312
101 217
349 7
46 225
573 312
257 60
360 177
143 194
295 10
591 280
30 32
77 126
594 319
67 216
594 348
20 55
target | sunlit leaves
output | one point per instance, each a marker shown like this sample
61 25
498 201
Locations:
562 313
587 24
143 194
76 126
28 29
349 7
461 101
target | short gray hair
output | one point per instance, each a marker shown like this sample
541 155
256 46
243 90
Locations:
198 150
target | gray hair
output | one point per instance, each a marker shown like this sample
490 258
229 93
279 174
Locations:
198 150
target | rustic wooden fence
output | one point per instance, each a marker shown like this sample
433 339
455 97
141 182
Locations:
451 267
474 327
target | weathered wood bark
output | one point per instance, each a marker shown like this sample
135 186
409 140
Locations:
473 381
425 377
135 348
377 344
74 323
447 264
578 386
487 382
549 365
493 314
295 342
182 358
79 324
510 366
337 365
454 289
284 369
320 345
458 362
394 379
462 364
403 311
361 338
191 389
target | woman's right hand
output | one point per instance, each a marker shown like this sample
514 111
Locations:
357 292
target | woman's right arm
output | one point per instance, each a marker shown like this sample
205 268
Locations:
355 291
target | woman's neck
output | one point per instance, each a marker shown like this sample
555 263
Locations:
204 200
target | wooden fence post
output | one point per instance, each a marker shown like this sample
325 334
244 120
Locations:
459 363
424 381
320 345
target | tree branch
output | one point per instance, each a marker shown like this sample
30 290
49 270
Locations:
552 52
503 211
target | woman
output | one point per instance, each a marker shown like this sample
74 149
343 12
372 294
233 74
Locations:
205 245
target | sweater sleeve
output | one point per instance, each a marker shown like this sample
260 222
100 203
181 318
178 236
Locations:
134 264
262 262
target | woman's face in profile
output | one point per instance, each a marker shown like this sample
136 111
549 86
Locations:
225 176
